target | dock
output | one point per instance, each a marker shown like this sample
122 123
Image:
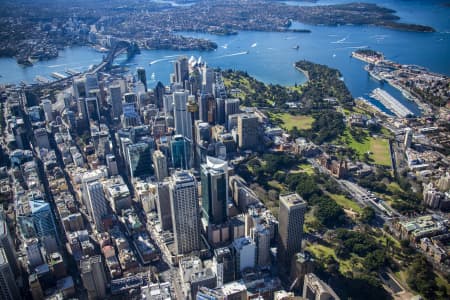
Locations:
58 76
391 103
72 72
42 79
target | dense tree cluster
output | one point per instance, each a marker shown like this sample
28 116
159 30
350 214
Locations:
324 82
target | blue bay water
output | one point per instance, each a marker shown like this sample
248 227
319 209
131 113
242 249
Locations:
271 56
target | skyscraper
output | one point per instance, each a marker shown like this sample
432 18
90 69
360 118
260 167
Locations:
7 244
93 275
116 101
160 165
181 70
185 212
159 91
47 108
139 158
97 204
142 76
163 205
43 220
231 108
182 117
290 229
220 110
248 131
8 287
214 177
179 148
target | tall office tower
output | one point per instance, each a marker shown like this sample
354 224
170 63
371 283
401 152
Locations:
182 117
7 244
159 92
248 131
211 105
244 250
220 109
41 138
261 235
290 229
111 164
160 165
202 131
182 71
314 289
179 148
130 98
43 220
116 101
130 117
185 212
8 287
142 77
195 82
97 206
35 287
408 138
203 107
91 82
47 108
34 254
139 158
208 79
224 263
168 103
163 205
231 108
214 176
79 88
93 276
92 108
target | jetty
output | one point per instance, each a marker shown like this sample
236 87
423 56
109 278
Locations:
390 102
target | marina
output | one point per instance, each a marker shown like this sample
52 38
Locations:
390 102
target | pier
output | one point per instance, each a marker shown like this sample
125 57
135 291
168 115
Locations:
390 102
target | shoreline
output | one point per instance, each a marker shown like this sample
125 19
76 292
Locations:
304 73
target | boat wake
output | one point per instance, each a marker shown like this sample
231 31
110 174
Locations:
171 56
225 46
341 41
234 54
56 66
158 60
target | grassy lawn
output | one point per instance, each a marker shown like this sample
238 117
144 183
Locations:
321 251
276 185
302 122
378 148
304 168
346 203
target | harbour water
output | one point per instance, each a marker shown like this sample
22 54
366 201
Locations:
269 56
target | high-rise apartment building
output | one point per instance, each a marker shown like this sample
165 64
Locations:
185 212
290 229
214 177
